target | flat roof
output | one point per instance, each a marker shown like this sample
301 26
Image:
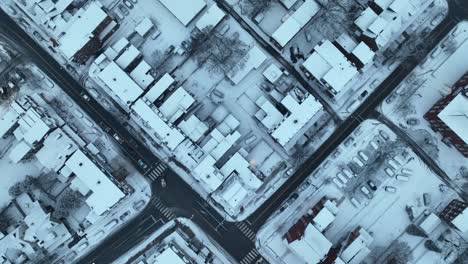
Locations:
19 151
295 22
185 14
160 87
255 59
208 175
363 53
8 121
268 114
57 147
455 116
142 74
168 256
212 17
127 57
272 73
177 104
120 83
328 64
313 246
161 130
193 127
300 115
105 193
144 26
241 166
81 31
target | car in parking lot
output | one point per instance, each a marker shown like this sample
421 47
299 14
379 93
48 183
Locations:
363 156
374 145
366 192
340 176
402 177
224 29
384 135
372 185
406 171
390 172
358 161
355 202
123 10
390 189
427 199
128 4
338 183
348 173
392 164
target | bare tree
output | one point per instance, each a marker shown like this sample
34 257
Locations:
450 46
254 7
398 253
334 17
28 185
68 201
462 258
220 53
415 47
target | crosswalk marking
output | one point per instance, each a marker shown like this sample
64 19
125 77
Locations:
157 171
246 230
163 209
250 257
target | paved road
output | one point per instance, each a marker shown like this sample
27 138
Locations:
178 198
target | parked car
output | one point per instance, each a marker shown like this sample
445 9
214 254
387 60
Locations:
128 4
412 121
259 17
426 199
337 182
406 171
374 145
390 172
363 156
224 29
348 173
155 34
123 10
372 185
342 177
366 192
402 178
134 1
355 202
384 135
390 189
392 164
358 161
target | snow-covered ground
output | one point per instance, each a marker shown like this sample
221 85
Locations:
172 237
384 215
428 83
36 82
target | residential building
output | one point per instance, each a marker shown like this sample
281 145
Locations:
179 9
295 22
77 33
456 214
449 116
37 234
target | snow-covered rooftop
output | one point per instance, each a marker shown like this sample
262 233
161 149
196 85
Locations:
255 58
142 74
168 256
160 87
152 119
104 192
295 22
358 249
81 31
212 17
128 56
176 104
272 73
193 127
461 221
300 114
329 65
120 83
185 14
312 247
455 116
